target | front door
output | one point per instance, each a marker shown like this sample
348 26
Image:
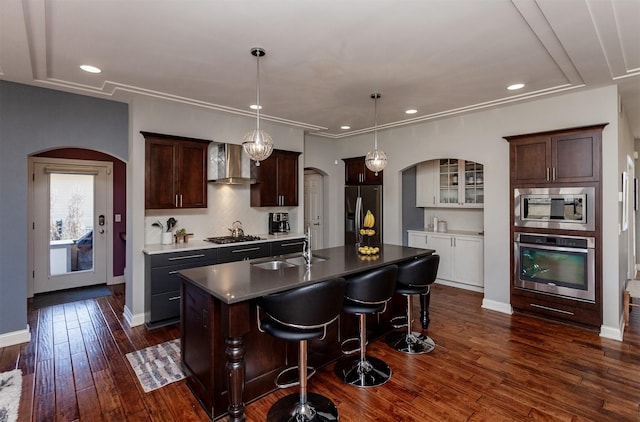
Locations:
70 223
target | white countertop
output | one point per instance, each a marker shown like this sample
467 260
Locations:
452 232
195 244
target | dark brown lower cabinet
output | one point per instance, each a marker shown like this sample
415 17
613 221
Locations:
207 323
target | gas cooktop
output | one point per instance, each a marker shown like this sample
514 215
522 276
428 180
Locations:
231 239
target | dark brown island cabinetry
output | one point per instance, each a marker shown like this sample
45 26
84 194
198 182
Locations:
175 171
357 173
276 180
228 361
563 156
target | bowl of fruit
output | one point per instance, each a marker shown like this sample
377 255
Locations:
367 232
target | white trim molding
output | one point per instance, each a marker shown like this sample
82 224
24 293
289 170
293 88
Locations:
132 320
15 337
494 305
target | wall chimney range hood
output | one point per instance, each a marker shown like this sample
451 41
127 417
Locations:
229 165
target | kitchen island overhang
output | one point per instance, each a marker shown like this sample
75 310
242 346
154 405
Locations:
227 360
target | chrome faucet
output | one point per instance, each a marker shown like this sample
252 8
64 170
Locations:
306 247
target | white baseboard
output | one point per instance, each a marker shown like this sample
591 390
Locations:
133 320
116 280
15 337
460 285
613 333
494 305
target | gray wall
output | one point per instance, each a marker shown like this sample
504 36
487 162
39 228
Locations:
33 120
412 216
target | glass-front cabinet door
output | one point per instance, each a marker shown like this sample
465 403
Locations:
460 184
473 183
449 182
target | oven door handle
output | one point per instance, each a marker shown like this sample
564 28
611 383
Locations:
555 248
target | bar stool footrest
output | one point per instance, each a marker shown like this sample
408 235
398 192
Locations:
296 381
350 351
399 321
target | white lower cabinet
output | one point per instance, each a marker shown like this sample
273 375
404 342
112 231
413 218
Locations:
461 255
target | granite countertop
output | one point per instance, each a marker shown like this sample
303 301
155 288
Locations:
239 281
456 232
196 244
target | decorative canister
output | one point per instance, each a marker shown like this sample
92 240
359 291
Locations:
442 226
167 238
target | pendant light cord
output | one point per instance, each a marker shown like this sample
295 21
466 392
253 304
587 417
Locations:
375 121
258 90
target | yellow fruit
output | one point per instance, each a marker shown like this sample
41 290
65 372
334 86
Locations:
369 219
371 232
363 231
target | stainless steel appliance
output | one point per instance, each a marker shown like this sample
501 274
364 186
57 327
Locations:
279 222
357 200
555 265
566 208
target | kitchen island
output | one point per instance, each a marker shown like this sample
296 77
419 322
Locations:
228 361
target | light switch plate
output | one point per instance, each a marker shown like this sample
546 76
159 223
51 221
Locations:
118 218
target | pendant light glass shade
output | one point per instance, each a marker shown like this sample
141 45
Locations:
258 143
375 160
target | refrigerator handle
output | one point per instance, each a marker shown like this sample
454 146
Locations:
358 217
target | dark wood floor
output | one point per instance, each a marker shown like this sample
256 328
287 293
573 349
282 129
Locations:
488 366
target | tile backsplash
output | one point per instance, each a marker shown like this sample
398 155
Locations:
226 204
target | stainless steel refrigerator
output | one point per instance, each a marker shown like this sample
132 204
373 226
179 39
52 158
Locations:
357 200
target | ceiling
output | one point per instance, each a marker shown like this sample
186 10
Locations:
325 58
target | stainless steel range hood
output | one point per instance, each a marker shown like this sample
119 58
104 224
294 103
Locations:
229 165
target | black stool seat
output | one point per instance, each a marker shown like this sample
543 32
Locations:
299 315
415 277
366 293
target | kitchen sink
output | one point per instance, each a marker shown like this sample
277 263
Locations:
298 260
273 265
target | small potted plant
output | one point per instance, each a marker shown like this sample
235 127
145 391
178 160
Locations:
181 235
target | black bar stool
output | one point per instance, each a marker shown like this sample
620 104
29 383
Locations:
365 294
302 314
414 278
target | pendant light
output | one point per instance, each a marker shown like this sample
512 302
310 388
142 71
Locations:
258 143
375 160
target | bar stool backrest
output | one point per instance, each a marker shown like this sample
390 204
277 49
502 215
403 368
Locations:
309 306
420 272
372 287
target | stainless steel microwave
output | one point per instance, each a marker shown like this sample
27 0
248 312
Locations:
566 208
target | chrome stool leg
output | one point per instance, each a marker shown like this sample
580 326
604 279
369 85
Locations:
303 406
411 342
363 371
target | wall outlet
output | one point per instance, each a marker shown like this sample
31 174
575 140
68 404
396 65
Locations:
117 218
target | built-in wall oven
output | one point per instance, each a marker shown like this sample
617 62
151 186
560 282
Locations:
565 208
555 265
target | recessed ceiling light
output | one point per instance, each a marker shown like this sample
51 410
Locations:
90 69
411 111
515 87
345 127
255 107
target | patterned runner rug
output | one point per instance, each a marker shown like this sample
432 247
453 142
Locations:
10 389
157 366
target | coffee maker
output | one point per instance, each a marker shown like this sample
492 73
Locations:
279 222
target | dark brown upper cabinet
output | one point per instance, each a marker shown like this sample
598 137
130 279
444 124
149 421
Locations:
357 173
563 156
175 171
276 180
